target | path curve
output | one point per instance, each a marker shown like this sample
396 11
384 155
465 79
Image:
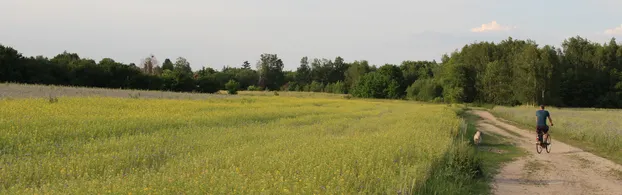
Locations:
566 170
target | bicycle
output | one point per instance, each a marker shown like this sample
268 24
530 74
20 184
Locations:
546 145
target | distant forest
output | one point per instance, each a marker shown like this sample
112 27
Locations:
512 72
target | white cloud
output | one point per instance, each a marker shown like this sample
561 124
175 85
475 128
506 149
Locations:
492 26
614 31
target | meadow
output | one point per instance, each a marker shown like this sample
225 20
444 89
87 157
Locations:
15 90
245 145
595 130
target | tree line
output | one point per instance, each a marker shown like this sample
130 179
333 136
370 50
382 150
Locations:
512 72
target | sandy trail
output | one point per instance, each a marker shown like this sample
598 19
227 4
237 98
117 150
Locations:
566 170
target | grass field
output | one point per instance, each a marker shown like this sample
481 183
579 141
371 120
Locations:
14 90
250 144
595 130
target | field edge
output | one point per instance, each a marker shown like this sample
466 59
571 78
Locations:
466 168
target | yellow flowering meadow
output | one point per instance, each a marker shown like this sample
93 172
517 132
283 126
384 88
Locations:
244 145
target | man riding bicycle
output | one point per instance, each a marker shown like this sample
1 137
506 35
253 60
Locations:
541 126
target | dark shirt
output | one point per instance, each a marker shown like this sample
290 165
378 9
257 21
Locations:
542 114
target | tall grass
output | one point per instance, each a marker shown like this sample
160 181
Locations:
599 130
13 90
293 94
247 145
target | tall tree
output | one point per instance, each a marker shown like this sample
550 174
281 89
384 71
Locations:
413 70
394 73
355 71
339 69
168 65
10 64
303 73
182 65
270 69
246 65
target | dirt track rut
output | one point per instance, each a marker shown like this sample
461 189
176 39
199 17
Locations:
566 170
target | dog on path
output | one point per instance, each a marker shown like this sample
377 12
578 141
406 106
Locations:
477 138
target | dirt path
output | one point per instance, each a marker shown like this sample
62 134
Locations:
566 170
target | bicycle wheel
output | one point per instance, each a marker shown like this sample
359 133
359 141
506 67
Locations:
538 148
548 144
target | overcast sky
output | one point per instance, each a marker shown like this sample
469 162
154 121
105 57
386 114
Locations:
227 32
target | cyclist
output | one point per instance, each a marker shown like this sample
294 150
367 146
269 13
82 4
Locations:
541 116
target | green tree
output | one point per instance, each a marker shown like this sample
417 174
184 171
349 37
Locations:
339 68
425 90
394 73
168 65
10 64
246 77
413 70
182 66
246 65
303 73
270 69
355 70
207 84
373 85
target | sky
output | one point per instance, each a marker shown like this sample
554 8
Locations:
214 33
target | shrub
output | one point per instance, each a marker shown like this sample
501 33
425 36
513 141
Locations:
316 86
291 86
253 88
328 88
339 88
232 86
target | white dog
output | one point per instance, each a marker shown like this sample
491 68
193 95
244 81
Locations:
477 138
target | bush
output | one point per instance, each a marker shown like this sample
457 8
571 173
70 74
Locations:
328 88
232 86
339 88
253 88
316 86
291 86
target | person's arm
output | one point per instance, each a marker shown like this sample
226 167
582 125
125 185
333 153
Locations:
550 120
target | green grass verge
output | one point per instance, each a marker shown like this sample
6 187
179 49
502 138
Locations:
469 169
559 134
494 151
